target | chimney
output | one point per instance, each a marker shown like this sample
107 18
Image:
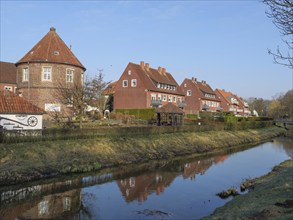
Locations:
52 29
192 79
164 71
160 70
147 66
142 64
195 79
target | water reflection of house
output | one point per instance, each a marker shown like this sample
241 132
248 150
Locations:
196 167
141 186
60 205
200 166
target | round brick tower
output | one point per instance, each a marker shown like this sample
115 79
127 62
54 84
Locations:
49 64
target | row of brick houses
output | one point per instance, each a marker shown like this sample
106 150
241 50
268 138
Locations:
141 86
50 63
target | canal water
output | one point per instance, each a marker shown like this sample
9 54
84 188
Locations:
184 188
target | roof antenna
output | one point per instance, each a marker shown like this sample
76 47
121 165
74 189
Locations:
70 47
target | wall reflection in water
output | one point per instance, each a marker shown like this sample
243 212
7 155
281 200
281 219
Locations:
69 198
140 187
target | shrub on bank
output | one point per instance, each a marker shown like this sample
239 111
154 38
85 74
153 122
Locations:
145 114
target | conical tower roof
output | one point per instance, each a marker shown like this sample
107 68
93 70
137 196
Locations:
51 49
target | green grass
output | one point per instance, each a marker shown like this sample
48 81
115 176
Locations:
30 161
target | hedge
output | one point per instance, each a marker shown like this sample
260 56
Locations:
144 114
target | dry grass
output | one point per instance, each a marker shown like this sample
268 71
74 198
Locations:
30 161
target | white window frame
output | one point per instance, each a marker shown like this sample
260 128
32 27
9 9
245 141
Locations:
164 98
25 74
188 92
8 88
170 98
174 99
153 96
46 76
159 97
133 83
69 75
125 83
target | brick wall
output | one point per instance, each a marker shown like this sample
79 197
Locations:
39 91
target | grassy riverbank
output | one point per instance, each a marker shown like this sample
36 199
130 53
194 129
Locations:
21 162
270 198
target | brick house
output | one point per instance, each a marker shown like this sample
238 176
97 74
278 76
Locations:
143 87
7 77
199 96
229 102
16 113
44 68
243 108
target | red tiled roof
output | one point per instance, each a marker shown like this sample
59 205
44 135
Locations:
11 103
204 88
226 95
7 72
170 108
110 88
52 49
152 76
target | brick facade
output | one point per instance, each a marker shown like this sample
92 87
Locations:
145 93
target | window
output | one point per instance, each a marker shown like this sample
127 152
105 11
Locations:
169 98
8 88
174 99
164 98
81 79
43 207
25 74
159 97
66 204
129 72
153 97
188 93
125 83
47 71
69 75
133 83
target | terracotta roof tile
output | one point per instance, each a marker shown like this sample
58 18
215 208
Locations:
7 72
52 49
11 103
152 76
204 88
170 108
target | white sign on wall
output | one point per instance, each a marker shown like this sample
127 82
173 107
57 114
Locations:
21 122
49 107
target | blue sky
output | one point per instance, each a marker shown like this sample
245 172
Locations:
222 42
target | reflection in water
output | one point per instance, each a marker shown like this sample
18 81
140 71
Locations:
79 197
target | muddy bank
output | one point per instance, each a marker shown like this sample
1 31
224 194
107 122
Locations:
24 162
269 197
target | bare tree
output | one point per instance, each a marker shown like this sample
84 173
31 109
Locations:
281 12
71 96
95 87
